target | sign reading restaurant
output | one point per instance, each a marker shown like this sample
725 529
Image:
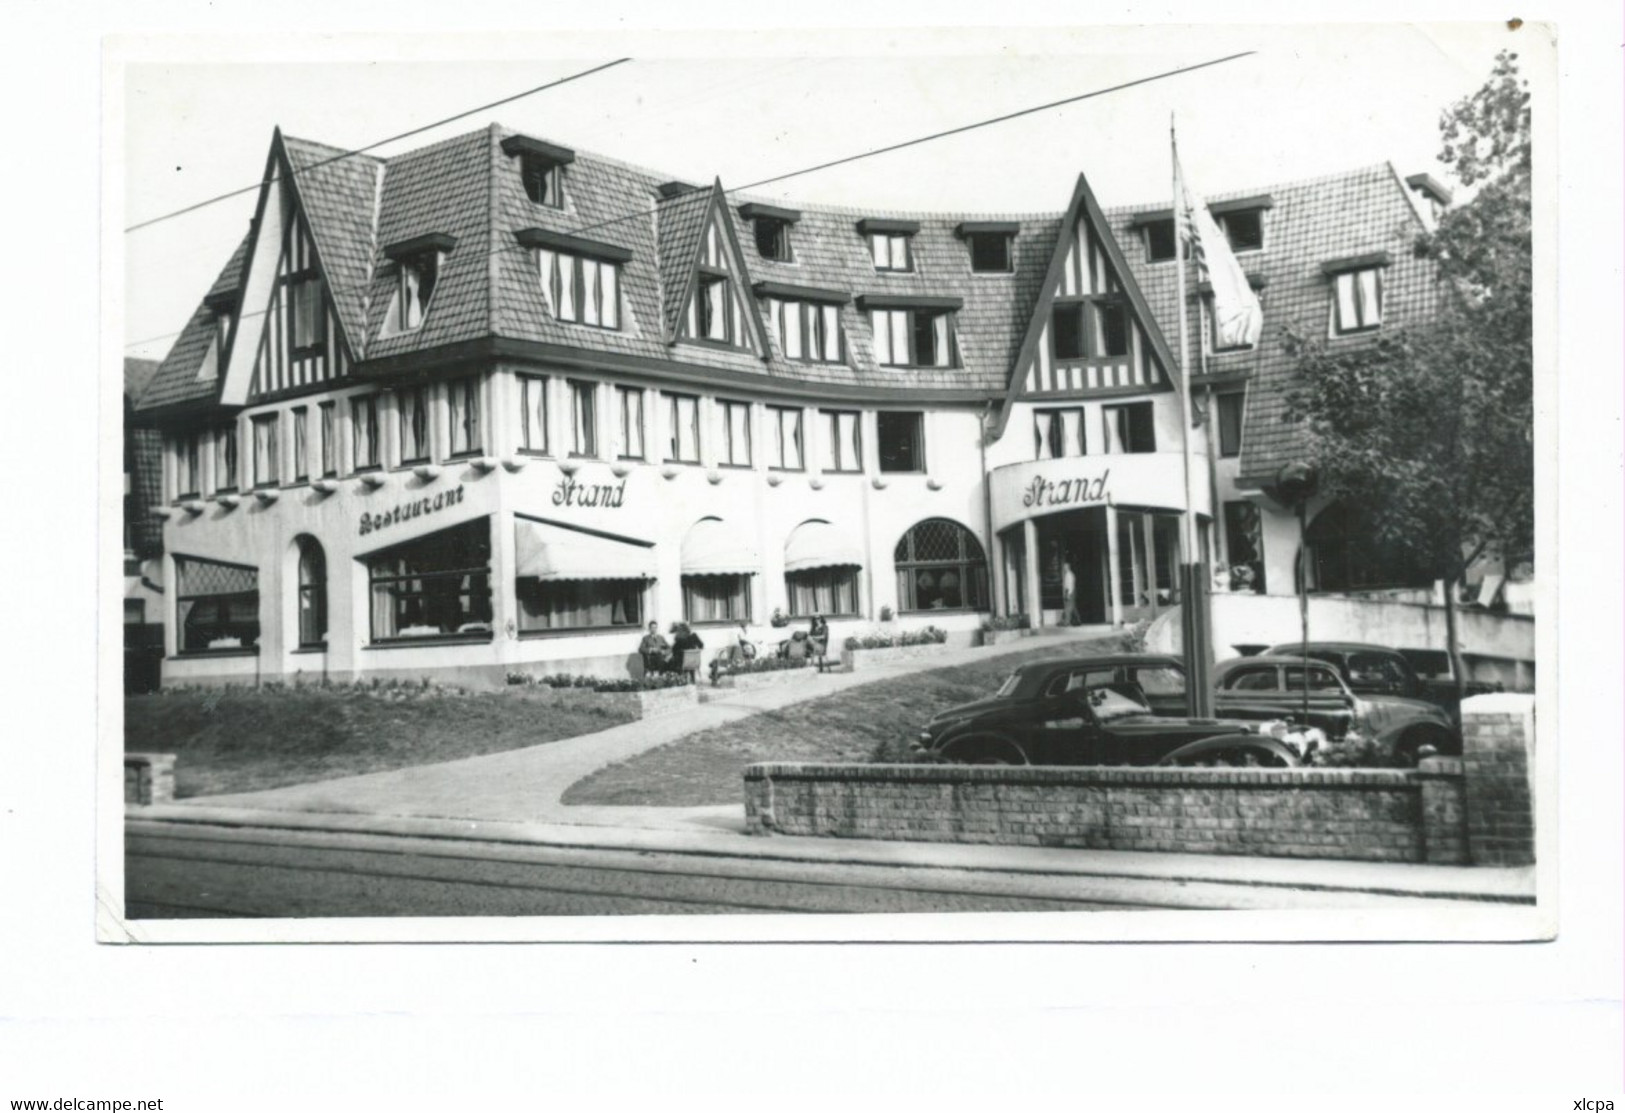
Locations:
414 509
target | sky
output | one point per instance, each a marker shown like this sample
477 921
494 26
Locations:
746 107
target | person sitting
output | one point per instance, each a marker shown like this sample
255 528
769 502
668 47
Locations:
685 640
655 651
797 648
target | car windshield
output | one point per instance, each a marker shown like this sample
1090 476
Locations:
1110 703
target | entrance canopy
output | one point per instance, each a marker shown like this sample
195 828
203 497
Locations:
820 545
1145 480
714 548
550 552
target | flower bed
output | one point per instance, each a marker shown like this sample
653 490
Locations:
884 649
644 697
1003 629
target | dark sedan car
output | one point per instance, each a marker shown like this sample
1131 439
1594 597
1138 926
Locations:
1377 670
1270 687
1093 711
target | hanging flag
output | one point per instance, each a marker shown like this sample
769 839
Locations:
1238 318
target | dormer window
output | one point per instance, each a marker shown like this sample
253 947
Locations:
890 243
990 245
772 225
418 262
1159 241
1242 221
541 168
805 320
1356 292
913 331
713 304
580 279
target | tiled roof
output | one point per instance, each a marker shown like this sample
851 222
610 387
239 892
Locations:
176 379
1311 222
338 192
488 288
143 462
137 374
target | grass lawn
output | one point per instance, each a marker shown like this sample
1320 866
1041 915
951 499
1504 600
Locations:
874 722
243 739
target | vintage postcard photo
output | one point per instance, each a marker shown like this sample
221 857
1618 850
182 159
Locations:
687 487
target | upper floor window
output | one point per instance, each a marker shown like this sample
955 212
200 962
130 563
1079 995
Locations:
364 432
1357 300
843 445
772 227
785 424
533 426
301 444
306 333
735 450
188 469
329 435
463 407
914 337
1058 433
1085 328
990 243
266 453
1159 240
890 243
414 413
1244 228
683 423
1229 422
901 437
544 181
583 418
225 457
631 407
1130 428
414 286
806 330
579 289
712 313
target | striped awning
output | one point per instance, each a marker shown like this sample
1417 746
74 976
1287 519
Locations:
820 545
713 547
555 553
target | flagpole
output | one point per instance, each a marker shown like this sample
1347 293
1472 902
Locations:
1195 616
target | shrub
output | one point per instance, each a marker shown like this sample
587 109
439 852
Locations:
931 635
762 664
1134 636
598 683
1006 622
886 614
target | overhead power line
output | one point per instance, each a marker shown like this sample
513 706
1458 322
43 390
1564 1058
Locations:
373 146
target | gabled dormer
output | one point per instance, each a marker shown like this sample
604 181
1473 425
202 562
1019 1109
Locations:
1091 333
713 305
288 333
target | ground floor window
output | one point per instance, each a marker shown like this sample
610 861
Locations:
312 594
433 586
828 591
940 566
1244 546
579 604
217 606
721 597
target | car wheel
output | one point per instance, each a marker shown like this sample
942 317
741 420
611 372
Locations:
987 751
1413 745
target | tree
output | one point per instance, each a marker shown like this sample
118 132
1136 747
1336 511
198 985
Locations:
1429 430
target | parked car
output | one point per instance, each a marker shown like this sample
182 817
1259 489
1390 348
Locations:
1377 670
1095 711
1272 686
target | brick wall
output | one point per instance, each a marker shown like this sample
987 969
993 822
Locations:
1362 814
1497 754
149 778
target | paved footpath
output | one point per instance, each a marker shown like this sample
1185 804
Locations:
527 785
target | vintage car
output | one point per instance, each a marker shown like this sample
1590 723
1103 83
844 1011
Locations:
1377 670
1313 692
1095 711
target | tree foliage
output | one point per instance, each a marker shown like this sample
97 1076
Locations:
1430 428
